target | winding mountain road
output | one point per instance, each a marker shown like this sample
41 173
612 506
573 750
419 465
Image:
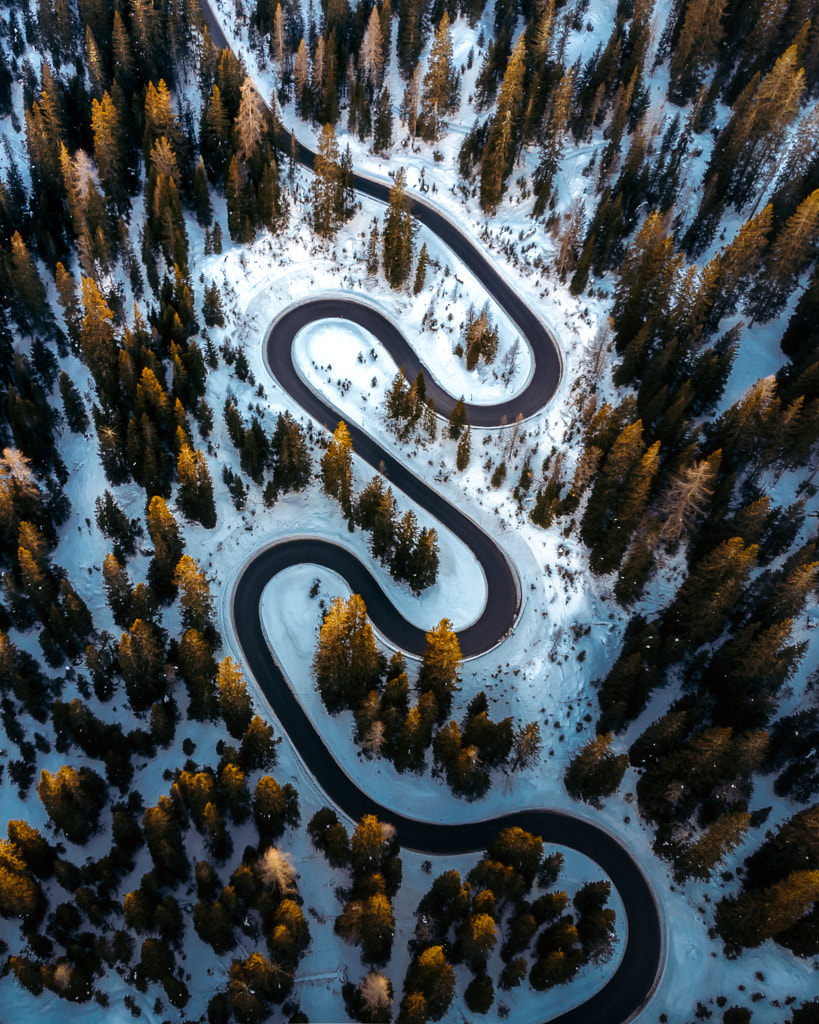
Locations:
630 987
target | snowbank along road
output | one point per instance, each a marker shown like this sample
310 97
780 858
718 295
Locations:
628 990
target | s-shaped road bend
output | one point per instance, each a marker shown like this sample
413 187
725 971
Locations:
637 975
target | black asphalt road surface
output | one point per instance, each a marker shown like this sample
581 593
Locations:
632 983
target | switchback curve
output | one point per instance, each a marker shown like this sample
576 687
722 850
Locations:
633 981
627 991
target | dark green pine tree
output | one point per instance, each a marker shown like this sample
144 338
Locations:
292 465
373 262
421 270
504 130
346 664
801 338
168 548
441 82
464 450
699 610
595 771
75 415
215 136
26 292
580 278
552 141
327 185
618 498
337 469
404 540
241 212
195 487
440 666
647 276
397 238
201 195
423 564
212 306
382 128
271 206
457 419
411 35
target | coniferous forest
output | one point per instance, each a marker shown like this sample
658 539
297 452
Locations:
179 184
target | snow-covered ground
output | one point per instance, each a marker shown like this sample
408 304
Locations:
570 627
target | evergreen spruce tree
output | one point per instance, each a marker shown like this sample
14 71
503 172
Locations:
698 612
411 31
404 539
429 987
396 241
504 131
168 547
540 29
420 270
702 857
372 250
117 590
346 663
464 450
234 701
787 257
198 669
552 141
647 275
409 105
28 298
440 89
240 201
141 659
194 595
212 306
619 497
697 46
754 916
382 126
337 469
595 771
423 565
73 406
215 136
110 152
739 263
73 800
195 487
274 807
750 140
327 184
457 419
440 665
201 195
292 463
